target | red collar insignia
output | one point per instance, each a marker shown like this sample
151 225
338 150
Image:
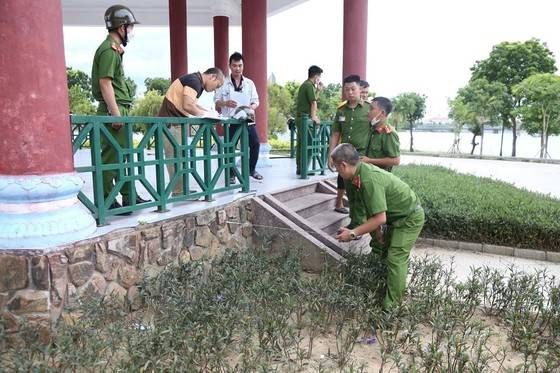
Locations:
357 182
383 129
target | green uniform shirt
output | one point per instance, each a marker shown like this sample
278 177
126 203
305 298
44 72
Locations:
306 95
353 125
107 63
384 144
380 191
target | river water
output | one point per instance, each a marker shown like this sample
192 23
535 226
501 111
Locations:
527 146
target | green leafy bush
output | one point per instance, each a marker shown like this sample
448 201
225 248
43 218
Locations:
279 145
468 208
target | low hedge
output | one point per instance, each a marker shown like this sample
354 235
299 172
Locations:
475 209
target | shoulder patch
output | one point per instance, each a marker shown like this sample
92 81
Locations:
117 48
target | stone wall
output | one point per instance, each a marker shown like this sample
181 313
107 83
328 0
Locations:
36 285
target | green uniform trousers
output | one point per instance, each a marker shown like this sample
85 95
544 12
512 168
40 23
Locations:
299 145
300 141
109 155
396 252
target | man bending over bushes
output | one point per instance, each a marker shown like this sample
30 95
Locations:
385 199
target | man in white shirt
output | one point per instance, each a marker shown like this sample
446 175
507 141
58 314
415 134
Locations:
238 86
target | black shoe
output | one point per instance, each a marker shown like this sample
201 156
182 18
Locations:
116 205
256 175
139 200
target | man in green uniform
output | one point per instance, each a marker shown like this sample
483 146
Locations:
364 90
383 149
110 88
306 103
385 199
351 125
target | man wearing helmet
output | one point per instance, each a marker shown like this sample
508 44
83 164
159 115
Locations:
110 88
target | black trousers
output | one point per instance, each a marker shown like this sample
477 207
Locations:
254 146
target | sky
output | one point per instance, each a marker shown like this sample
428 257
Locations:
425 46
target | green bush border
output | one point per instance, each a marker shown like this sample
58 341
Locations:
475 209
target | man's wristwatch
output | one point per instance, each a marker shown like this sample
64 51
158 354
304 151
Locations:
353 235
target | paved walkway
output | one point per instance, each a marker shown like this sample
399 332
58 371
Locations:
464 261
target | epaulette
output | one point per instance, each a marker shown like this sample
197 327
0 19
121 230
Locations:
342 104
117 48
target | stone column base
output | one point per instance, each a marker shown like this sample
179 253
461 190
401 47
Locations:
39 211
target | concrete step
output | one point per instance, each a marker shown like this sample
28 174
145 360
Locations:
290 194
312 204
329 221
360 246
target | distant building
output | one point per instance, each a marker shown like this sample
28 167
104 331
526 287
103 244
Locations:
438 120
272 79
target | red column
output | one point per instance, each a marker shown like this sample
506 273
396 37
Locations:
354 57
34 124
221 43
178 37
253 39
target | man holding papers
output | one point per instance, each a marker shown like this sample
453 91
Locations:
238 98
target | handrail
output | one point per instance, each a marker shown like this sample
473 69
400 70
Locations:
193 160
315 150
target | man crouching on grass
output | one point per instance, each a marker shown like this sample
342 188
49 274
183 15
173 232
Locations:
385 199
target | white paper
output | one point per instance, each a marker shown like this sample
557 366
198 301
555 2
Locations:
241 98
211 114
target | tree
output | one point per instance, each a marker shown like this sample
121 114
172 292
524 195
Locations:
511 63
131 86
484 101
328 100
80 103
412 107
147 106
157 84
78 78
280 103
539 96
395 120
461 116
79 92
292 87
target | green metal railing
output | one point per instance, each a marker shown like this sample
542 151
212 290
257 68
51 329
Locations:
193 158
315 151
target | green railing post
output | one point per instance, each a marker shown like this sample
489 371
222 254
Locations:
160 167
325 140
305 146
97 173
245 157
293 131
184 154
128 157
206 149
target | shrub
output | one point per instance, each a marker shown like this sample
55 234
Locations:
279 145
249 311
468 208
